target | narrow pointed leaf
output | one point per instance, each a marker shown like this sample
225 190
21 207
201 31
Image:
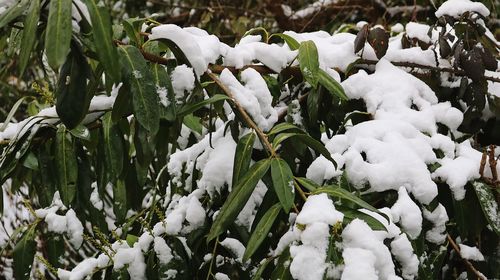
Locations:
261 231
488 205
59 30
13 12
188 109
113 146
333 87
309 62
237 198
307 183
23 255
283 183
103 39
29 34
290 41
144 96
339 192
243 156
67 167
308 140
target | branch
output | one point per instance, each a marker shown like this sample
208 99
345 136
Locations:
248 120
467 262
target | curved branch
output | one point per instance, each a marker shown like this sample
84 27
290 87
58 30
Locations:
467 262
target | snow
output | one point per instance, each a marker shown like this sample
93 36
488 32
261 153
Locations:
253 96
438 217
470 253
198 46
406 211
401 248
455 8
162 250
359 264
308 258
235 247
420 31
182 80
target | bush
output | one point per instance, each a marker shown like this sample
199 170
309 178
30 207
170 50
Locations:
152 151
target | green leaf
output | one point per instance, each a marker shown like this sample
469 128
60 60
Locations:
23 255
284 127
190 108
67 167
488 205
13 12
29 35
290 41
242 157
258 30
310 185
59 30
261 231
113 146
120 201
102 35
309 62
308 140
262 267
12 111
344 194
283 182
351 214
237 198
333 87
73 97
144 95
163 82
81 131
193 123
132 27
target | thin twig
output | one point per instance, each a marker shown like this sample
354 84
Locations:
246 118
467 262
493 164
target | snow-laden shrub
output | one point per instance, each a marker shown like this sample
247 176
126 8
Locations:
163 153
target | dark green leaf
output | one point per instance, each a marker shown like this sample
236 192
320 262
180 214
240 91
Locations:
23 255
488 205
193 123
144 95
12 112
237 198
103 39
351 214
308 140
81 131
344 194
190 108
261 231
113 146
67 167
283 183
73 98
284 127
29 35
242 157
59 30
309 62
120 200
333 87
310 185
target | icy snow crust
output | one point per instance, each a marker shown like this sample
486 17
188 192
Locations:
392 151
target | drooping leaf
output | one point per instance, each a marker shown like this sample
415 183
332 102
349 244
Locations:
144 95
12 112
113 146
58 34
242 157
290 41
308 140
193 123
164 83
351 214
29 35
309 62
284 127
333 87
258 30
488 205
102 35
261 231
73 97
283 183
308 183
67 167
23 255
81 131
190 108
339 192
237 198
120 200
